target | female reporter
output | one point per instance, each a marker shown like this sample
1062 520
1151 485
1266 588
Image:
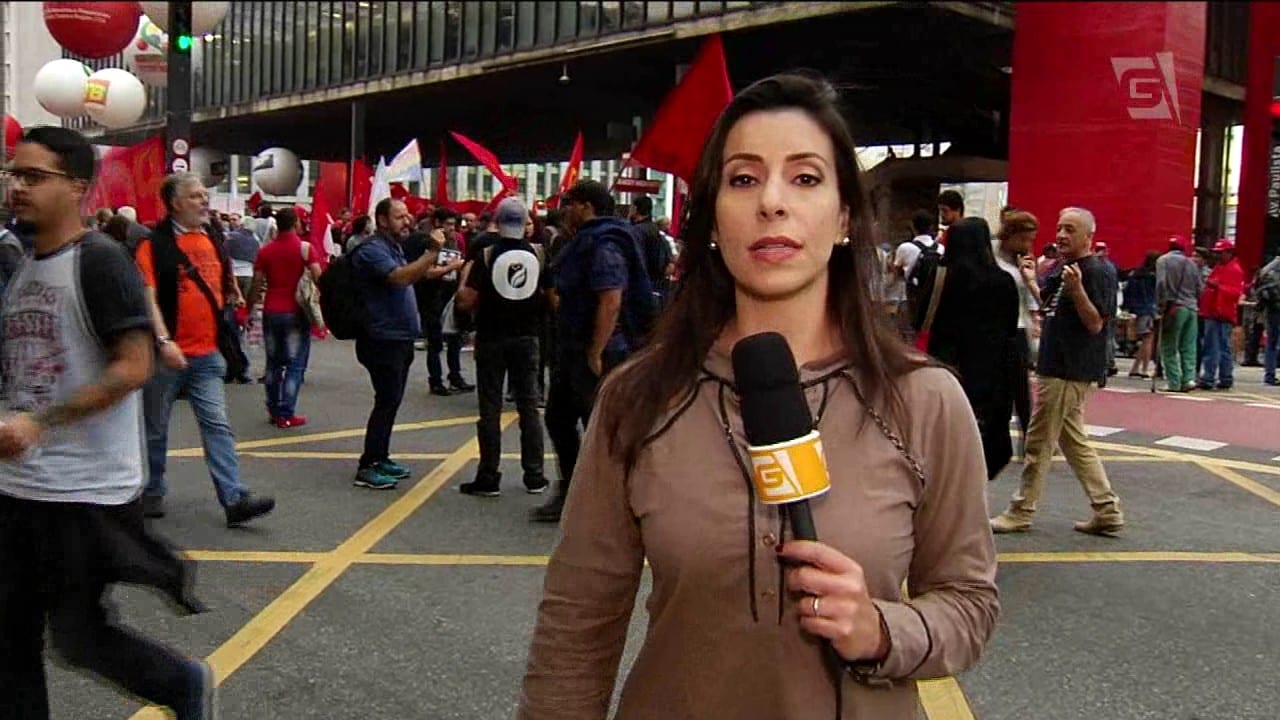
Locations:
777 240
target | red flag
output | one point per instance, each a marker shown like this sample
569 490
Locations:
441 198
673 143
130 176
361 187
399 191
571 174
253 203
329 198
487 159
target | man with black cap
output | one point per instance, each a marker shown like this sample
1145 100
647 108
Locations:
503 287
591 278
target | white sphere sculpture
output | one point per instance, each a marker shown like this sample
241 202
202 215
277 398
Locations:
277 171
114 97
59 87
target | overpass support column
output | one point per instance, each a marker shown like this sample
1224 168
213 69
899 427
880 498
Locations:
357 146
1104 112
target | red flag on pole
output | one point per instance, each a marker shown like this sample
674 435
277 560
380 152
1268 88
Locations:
328 200
441 197
361 187
130 176
673 143
571 174
487 159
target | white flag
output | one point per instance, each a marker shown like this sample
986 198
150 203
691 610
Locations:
406 165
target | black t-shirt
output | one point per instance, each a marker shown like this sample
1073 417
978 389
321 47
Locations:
511 302
1067 349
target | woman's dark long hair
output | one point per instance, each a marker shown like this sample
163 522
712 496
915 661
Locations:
969 253
642 391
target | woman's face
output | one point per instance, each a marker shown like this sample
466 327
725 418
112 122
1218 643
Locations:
528 228
778 207
1021 242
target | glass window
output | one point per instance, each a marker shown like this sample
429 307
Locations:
452 27
567 22
506 26
377 37
404 42
611 16
439 28
254 39
363 15
633 14
319 24
277 48
243 56
545 21
348 44
423 20
683 9
525 23
471 20
302 38
588 19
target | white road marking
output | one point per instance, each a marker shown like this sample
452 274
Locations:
1190 443
1125 391
1192 398
1101 430
1272 406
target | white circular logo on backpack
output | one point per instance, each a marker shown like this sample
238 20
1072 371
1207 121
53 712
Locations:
515 274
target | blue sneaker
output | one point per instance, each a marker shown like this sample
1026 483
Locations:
393 469
202 704
374 479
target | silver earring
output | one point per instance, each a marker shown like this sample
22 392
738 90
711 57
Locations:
713 245
845 241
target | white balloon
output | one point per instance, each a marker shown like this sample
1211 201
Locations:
114 97
205 16
209 164
59 87
277 171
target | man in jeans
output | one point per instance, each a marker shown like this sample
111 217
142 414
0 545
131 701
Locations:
285 332
1219 306
77 348
184 276
503 287
386 347
1178 285
1081 298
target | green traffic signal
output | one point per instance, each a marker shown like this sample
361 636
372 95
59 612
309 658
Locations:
184 43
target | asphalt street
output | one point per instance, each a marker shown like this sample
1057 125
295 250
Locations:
419 603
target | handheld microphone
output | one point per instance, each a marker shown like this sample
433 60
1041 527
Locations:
787 464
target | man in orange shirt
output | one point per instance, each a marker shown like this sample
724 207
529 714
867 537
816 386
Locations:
184 274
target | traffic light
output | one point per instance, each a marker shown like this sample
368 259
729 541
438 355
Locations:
180 28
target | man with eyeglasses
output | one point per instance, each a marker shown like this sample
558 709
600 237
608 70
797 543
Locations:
77 348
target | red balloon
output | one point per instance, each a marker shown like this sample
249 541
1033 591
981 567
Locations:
12 134
92 29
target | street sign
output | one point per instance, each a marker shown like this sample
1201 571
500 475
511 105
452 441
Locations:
637 185
180 147
181 165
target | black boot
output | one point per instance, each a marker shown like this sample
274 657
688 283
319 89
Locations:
550 512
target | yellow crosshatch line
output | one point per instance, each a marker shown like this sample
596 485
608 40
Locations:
941 699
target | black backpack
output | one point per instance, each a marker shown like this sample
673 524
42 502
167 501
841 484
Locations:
342 299
920 281
639 312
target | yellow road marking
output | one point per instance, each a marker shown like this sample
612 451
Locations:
331 435
254 556
942 699
264 626
1243 482
1189 458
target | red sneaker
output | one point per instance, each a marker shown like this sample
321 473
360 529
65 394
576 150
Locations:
296 421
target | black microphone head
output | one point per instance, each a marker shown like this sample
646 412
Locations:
773 405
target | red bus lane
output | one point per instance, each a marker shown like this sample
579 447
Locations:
1195 415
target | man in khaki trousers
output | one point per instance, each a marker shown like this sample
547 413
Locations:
1078 298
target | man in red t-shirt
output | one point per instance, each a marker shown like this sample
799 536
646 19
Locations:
285 330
